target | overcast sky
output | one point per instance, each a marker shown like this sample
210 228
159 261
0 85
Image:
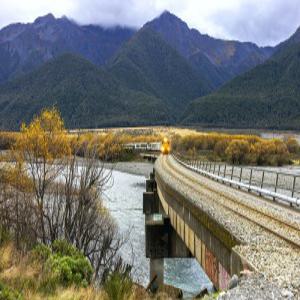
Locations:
265 22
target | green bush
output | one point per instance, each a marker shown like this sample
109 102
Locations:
63 248
41 252
66 270
118 286
63 265
6 293
4 235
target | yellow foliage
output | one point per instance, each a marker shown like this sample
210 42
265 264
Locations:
44 138
240 149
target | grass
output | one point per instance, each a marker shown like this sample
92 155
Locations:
22 278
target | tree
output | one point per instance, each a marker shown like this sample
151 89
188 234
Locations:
292 145
237 151
41 152
50 194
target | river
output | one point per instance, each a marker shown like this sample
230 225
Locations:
125 200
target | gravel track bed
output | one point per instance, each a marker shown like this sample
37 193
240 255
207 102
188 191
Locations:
255 287
254 210
285 214
269 254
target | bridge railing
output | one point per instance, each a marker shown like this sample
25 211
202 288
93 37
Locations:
277 185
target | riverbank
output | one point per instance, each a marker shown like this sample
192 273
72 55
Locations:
132 167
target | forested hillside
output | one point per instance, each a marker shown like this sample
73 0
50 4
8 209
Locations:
216 59
265 97
86 96
148 64
163 73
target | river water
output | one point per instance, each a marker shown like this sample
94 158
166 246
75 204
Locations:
125 200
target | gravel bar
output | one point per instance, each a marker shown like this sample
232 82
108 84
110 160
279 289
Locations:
272 256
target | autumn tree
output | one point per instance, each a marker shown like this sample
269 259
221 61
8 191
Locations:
237 151
51 193
292 145
41 152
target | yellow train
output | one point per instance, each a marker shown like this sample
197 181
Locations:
165 146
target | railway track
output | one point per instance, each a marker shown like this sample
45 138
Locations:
282 229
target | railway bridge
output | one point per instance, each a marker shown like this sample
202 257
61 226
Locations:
230 219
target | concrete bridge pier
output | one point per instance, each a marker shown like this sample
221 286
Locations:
162 241
156 272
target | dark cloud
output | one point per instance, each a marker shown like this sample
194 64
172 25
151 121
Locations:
266 22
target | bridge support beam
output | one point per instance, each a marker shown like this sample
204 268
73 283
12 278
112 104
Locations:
209 242
162 241
157 272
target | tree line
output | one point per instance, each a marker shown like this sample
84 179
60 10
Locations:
238 149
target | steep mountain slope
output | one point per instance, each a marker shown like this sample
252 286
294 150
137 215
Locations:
266 97
148 64
294 39
26 46
85 95
224 59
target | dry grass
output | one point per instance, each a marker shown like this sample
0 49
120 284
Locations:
23 274
7 256
71 293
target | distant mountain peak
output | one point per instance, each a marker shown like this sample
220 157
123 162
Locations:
45 19
168 16
166 13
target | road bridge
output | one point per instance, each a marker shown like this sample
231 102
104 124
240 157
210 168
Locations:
227 225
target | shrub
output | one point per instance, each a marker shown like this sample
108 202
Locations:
4 235
292 145
63 265
221 147
66 270
118 286
63 248
271 152
237 151
41 252
6 293
7 139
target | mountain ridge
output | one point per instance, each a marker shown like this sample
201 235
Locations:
225 57
148 64
23 47
264 97
85 95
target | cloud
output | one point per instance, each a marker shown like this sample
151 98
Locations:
266 22
262 21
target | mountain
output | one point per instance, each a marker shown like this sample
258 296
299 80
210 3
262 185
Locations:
294 39
220 60
23 47
86 96
147 63
266 97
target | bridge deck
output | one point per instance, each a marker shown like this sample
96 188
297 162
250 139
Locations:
269 234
